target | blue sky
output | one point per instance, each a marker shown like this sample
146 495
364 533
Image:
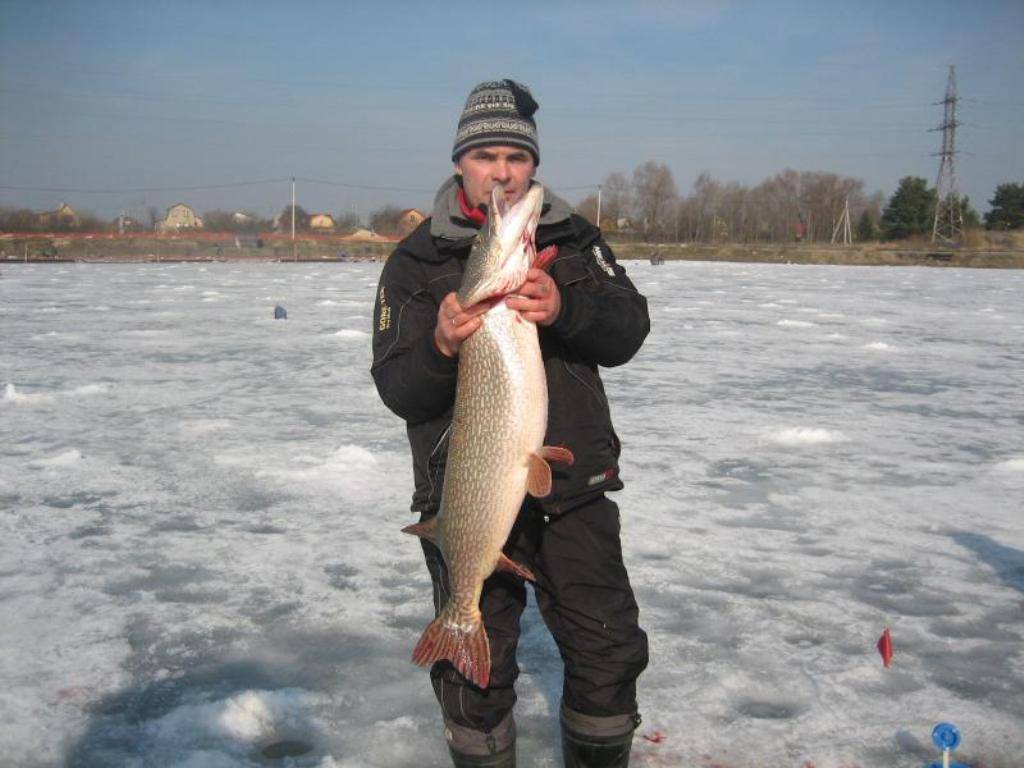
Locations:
152 95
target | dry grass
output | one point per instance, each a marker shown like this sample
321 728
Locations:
1004 250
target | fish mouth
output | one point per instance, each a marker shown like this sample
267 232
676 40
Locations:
516 227
510 245
515 223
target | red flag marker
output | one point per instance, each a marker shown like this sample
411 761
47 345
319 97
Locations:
885 647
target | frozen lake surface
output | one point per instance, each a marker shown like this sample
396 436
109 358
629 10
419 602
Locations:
200 512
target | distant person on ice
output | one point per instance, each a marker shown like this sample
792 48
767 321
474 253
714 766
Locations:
588 314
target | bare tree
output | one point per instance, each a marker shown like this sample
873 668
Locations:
790 205
587 208
616 199
656 196
704 208
346 222
780 195
384 221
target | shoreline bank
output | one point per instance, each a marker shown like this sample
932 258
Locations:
216 248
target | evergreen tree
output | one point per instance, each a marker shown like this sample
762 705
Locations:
1007 207
911 209
971 218
284 221
866 228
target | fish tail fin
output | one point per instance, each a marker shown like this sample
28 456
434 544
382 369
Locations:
467 649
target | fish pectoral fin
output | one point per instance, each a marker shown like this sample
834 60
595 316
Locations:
505 563
428 530
538 479
557 453
545 257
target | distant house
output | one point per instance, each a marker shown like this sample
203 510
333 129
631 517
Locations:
408 220
241 217
64 216
179 216
321 222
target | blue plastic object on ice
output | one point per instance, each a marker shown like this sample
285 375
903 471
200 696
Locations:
946 737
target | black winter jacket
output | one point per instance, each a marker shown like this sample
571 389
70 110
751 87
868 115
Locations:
603 321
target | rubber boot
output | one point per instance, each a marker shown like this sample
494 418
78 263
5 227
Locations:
470 748
504 759
591 752
602 747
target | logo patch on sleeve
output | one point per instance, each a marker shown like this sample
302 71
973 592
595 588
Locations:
599 258
384 319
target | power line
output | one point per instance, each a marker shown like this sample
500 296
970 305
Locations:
112 191
362 186
229 185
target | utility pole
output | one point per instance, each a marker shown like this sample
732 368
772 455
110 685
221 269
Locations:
948 226
294 257
293 208
844 224
598 222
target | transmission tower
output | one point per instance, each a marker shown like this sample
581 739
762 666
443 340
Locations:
949 218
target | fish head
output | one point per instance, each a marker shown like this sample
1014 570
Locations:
504 251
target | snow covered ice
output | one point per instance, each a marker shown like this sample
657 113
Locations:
200 510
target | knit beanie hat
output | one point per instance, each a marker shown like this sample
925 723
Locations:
498 112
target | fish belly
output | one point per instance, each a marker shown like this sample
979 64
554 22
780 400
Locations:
499 419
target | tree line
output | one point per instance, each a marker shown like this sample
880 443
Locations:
385 220
789 206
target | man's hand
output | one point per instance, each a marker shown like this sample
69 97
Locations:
539 299
455 324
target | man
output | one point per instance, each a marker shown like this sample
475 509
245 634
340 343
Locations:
588 314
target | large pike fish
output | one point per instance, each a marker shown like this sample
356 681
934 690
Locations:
495 450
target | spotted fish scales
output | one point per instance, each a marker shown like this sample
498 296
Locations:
495 452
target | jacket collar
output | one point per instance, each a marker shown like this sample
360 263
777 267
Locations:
449 223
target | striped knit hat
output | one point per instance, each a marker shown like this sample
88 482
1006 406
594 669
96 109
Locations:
498 112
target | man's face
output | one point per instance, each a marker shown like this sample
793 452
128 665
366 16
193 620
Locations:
483 167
